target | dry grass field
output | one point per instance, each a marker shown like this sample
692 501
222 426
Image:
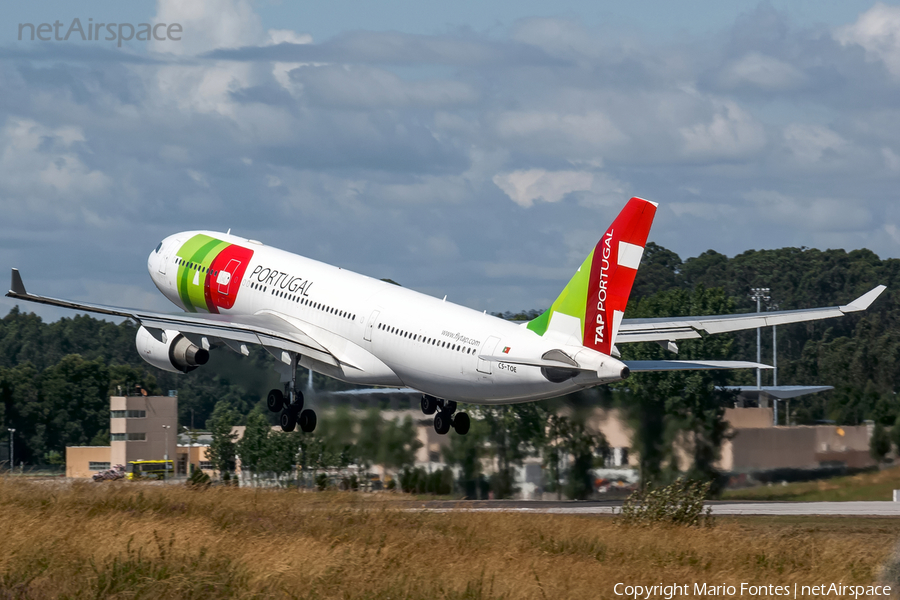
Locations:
130 540
876 485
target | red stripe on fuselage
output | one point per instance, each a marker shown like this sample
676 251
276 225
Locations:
234 260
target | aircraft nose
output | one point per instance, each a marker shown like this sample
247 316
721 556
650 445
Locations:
151 265
153 260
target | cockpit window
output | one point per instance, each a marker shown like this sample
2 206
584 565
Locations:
158 247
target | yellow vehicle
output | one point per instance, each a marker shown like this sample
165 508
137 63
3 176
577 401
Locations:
152 469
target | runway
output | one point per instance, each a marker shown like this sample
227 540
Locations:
869 508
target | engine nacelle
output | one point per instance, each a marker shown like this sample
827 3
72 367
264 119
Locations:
175 353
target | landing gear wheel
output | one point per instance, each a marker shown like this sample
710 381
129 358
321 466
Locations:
297 405
275 400
308 421
288 420
429 405
442 423
461 423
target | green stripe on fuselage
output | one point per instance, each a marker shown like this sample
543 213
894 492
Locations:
200 250
572 301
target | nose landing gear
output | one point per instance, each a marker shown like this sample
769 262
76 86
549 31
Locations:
444 418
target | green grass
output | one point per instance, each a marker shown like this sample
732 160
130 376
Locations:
866 486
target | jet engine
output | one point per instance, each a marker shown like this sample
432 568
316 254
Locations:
173 353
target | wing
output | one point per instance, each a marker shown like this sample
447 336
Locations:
268 329
681 328
645 366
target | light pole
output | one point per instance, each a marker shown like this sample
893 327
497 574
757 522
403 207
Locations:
166 455
775 306
759 294
187 463
12 460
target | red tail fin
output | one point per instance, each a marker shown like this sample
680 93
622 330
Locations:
615 262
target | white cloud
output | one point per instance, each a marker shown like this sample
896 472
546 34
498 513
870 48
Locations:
559 37
200 89
288 36
815 214
273 181
524 187
555 131
731 133
893 231
209 25
281 70
878 31
41 171
706 211
364 87
198 177
891 160
810 143
442 246
765 72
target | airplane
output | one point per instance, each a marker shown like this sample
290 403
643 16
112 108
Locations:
237 292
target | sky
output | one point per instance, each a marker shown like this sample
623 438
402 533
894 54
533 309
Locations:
473 149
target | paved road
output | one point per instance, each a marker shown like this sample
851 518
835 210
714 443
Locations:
870 508
613 506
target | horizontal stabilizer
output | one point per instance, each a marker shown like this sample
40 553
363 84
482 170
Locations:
371 391
642 366
782 392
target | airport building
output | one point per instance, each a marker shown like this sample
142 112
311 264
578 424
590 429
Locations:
146 428
141 428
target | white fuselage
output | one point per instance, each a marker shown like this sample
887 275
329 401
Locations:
387 335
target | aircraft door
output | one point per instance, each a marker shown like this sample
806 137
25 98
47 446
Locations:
484 366
373 318
226 274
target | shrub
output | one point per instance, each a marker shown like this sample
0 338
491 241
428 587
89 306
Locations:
413 481
441 482
198 479
679 503
880 443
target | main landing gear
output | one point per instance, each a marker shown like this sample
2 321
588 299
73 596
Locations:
290 403
444 418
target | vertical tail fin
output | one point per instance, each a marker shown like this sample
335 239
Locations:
593 302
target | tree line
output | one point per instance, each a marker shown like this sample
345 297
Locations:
347 445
